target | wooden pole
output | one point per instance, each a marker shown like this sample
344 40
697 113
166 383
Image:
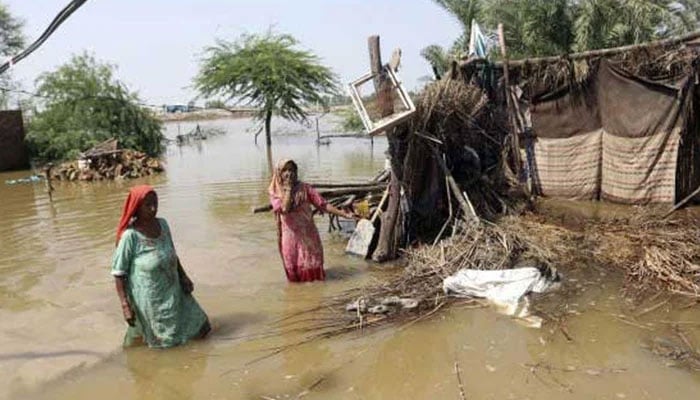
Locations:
467 209
49 186
375 60
509 106
388 230
381 84
682 202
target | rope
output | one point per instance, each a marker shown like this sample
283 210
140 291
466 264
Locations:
57 21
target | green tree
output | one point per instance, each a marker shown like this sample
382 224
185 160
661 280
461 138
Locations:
611 23
84 104
438 58
350 120
464 11
533 27
268 72
11 42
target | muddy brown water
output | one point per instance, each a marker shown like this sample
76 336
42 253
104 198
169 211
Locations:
61 325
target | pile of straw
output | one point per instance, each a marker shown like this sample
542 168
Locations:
455 122
459 115
484 246
654 255
666 64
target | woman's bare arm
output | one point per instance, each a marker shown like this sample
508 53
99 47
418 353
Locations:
185 280
120 284
341 213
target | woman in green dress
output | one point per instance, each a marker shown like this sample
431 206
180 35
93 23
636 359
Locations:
154 290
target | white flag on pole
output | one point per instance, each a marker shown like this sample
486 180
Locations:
477 42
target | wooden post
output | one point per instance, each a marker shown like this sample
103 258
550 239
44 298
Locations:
509 106
462 200
382 88
47 176
682 203
386 249
375 60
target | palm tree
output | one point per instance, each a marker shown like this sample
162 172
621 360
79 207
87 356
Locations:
612 23
552 27
532 27
267 72
465 11
438 58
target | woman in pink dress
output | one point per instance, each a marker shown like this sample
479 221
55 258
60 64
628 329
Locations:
298 239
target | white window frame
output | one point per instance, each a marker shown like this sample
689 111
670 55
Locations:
375 128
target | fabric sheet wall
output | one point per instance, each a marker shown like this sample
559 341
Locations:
615 137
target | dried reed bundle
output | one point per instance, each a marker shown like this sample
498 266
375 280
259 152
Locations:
655 254
473 245
660 63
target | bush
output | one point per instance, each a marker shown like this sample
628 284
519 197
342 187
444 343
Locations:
215 104
84 105
351 121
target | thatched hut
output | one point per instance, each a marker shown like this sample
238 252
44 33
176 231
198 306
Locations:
618 125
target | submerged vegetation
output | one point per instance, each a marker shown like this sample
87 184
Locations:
350 120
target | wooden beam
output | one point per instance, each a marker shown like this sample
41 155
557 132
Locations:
682 203
382 87
515 144
375 60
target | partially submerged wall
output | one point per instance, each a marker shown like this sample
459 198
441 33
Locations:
13 150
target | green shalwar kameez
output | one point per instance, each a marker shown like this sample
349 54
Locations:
165 315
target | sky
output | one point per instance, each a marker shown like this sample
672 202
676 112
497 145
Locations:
157 44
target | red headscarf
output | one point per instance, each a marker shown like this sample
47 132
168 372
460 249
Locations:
132 203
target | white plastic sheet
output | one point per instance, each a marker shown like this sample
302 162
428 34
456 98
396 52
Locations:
505 288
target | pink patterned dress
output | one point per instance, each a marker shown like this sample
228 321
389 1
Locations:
299 241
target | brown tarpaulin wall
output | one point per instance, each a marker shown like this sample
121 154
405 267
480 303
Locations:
615 137
13 150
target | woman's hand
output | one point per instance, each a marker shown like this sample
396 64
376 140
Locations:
185 281
129 315
350 215
287 199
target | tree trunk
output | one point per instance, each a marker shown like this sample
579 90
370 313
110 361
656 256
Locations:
268 139
268 120
390 229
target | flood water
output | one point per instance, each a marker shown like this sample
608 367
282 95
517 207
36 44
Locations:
61 330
